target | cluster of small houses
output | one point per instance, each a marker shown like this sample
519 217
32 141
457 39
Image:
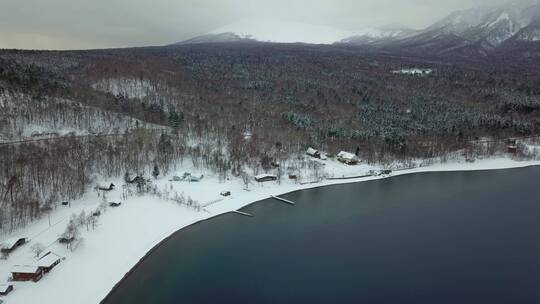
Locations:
343 157
33 271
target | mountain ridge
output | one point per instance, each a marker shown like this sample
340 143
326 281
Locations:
479 31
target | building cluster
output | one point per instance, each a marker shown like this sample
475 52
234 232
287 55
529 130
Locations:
32 271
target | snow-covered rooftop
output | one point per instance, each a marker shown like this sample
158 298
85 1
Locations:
49 260
312 151
4 287
261 176
346 155
9 243
25 268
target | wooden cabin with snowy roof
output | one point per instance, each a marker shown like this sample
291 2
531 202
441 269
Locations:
348 158
48 261
10 245
22 273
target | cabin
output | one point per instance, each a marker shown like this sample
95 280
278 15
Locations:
110 188
261 178
348 158
137 179
24 273
48 262
512 149
293 177
10 245
5 289
114 204
313 153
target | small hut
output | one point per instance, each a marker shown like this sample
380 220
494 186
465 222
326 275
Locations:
261 178
348 158
48 262
110 188
313 153
5 289
10 245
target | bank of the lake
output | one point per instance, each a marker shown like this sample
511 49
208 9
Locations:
452 237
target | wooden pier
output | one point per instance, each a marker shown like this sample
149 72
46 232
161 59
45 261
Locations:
243 213
283 200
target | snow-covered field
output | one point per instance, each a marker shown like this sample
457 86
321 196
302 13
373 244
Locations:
125 234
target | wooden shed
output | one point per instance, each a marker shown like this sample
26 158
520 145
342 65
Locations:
48 262
23 273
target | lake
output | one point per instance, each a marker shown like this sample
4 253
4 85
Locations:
450 237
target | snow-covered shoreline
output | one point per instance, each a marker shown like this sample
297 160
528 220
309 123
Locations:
127 234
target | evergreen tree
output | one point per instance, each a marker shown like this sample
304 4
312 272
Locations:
155 172
127 179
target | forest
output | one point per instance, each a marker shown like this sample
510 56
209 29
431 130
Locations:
69 118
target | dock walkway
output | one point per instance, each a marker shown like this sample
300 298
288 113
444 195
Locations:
283 200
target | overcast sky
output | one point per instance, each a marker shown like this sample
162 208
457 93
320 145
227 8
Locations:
77 24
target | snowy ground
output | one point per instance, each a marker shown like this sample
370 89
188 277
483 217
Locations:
125 234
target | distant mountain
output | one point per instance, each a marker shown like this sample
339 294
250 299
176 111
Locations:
270 30
215 38
375 35
479 31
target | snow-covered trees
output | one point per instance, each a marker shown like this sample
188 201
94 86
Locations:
109 112
37 249
71 236
92 220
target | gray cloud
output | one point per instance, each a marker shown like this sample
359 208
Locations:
72 24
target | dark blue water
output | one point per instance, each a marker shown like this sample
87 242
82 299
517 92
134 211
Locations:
425 238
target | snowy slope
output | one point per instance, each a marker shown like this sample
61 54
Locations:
488 26
385 33
479 30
